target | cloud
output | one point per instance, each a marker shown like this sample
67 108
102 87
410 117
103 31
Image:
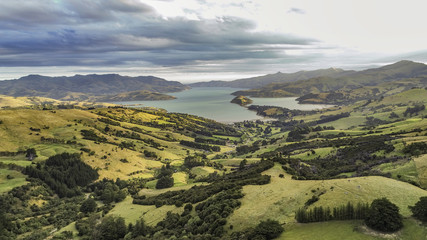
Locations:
111 32
296 10
23 14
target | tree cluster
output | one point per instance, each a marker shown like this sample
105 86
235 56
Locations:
331 118
164 176
419 210
415 149
64 173
343 212
244 149
202 146
91 135
352 155
268 229
108 191
236 179
195 160
109 121
210 141
414 110
383 216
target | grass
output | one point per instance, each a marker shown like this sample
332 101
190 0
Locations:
413 230
346 123
70 227
351 230
277 200
319 152
333 230
180 179
202 171
149 192
235 161
19 160
227 137
421 166
18 179
132 212
15 134
406 170
283 196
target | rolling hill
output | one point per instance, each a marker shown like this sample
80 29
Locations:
261 170
274 78
390 76
82 87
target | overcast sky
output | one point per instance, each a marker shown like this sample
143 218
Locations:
200 40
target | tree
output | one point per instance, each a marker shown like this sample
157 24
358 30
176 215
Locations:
140 228
268 229
31 154
243 164
165 182
419 211
384 216
110 228
89 205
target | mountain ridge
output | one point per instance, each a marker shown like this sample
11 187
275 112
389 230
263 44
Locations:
92 84
278 77
385 75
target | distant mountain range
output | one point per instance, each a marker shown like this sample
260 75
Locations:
85 87
349 86
279 77
333 86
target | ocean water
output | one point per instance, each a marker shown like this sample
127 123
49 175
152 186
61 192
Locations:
214 103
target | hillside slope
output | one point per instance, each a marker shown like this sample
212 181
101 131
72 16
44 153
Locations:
372 77
274 78
84 86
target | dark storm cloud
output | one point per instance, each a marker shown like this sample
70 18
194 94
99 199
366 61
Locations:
112 32
24 14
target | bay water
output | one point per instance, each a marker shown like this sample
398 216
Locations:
214 103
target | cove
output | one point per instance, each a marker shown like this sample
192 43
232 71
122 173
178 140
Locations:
214 103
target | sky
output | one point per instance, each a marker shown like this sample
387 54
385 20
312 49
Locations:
202 40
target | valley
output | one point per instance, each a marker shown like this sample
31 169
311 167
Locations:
213 120
148 173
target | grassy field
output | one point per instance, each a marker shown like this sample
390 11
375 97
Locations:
202 171
351 230
421 167
151 215
283 196
277 200
401 170
17 179
20 129
319 152
19 160
333 230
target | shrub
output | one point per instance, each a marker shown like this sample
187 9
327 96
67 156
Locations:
110 228
419 211
384 216
312 200
415 149
165 182
268 229
89 205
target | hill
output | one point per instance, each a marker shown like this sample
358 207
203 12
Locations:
377 80
226 179
142 95
7 102
279 77
82 87
241 100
